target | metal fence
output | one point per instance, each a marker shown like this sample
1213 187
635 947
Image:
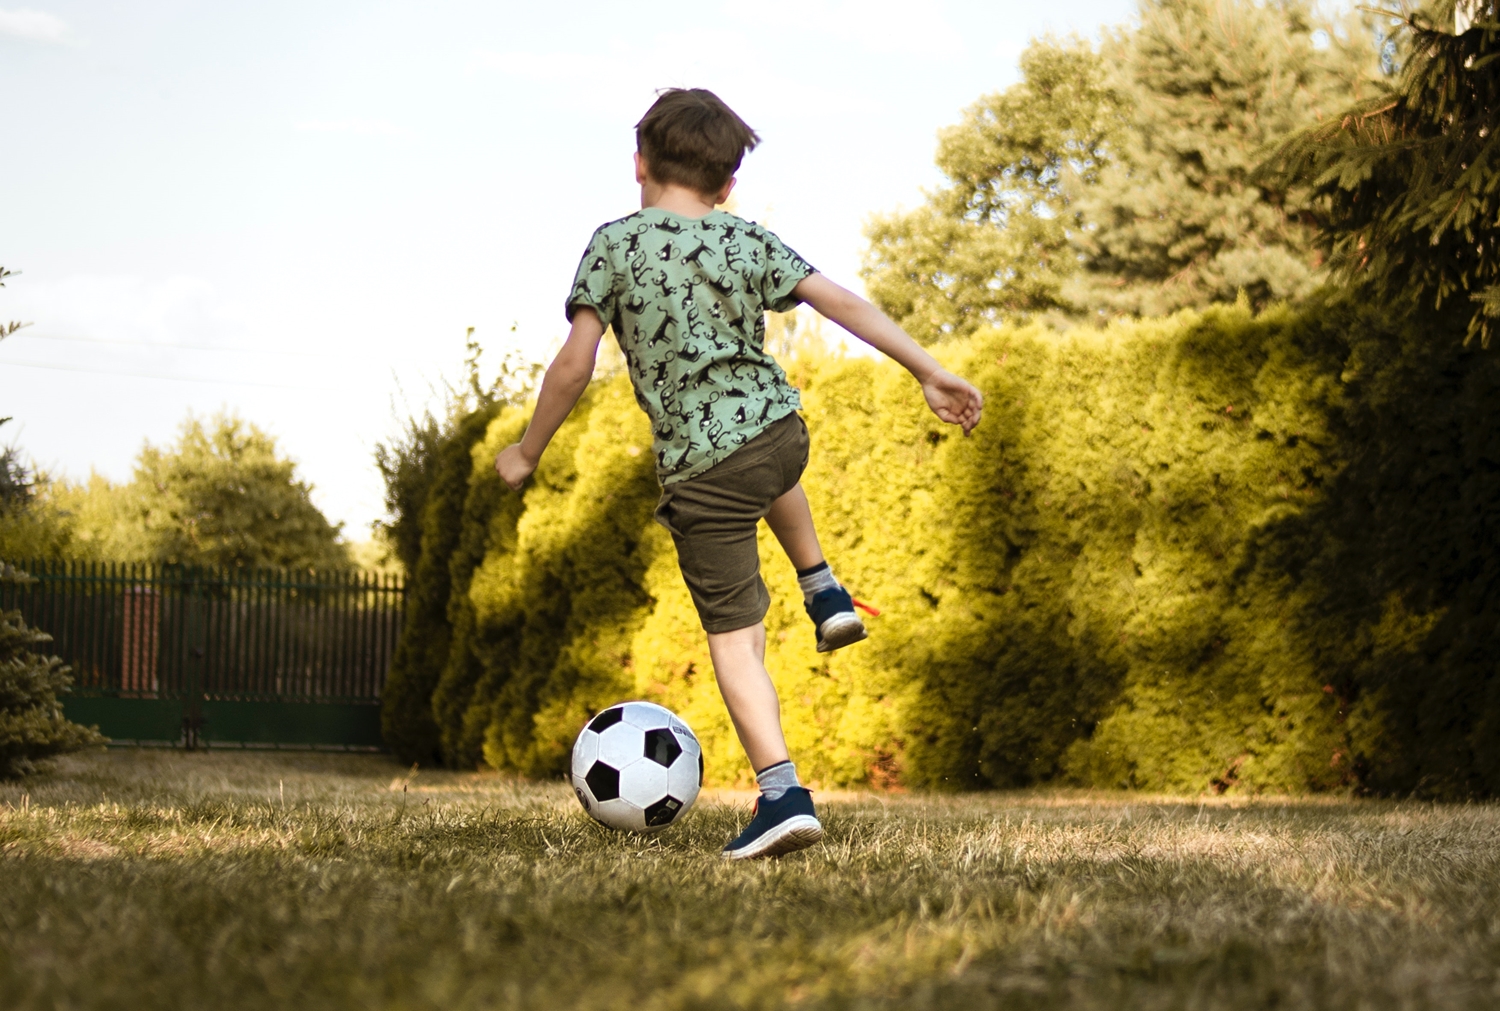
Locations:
196 655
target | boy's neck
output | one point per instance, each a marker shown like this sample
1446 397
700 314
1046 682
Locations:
675 198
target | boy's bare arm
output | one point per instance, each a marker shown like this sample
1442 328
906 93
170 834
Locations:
950 398
567 377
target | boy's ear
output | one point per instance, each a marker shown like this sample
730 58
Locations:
722 197
640 169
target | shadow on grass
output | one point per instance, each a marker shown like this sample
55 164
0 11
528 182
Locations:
134 881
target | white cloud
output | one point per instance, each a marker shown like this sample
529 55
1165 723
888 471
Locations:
357 127
33 26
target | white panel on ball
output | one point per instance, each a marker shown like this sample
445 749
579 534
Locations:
646 715
621 815
585 751
621 744
682 779
643 783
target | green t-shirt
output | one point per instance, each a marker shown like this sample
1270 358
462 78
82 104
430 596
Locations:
687 299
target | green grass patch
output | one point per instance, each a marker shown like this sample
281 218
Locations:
260 880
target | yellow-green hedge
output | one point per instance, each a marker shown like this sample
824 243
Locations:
1208 552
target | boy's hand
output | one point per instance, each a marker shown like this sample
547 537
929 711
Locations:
513 467
952 399
561 387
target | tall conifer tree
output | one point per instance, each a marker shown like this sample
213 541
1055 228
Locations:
1410 178
1175 219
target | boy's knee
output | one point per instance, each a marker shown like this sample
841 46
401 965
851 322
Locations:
737 636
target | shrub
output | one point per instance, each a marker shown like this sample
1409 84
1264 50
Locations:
1218 551
440 499
426 538
32 725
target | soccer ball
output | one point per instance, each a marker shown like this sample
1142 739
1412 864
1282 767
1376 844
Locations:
637 767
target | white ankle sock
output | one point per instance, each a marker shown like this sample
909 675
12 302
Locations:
776 780
816 579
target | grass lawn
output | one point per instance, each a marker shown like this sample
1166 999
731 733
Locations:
147 880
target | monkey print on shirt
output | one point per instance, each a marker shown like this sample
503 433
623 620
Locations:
687 299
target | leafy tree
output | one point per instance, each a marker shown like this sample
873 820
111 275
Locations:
15 478
220 496
97 520
1118 181
16 484
994 242
224 496
28 524
31 525
1410 177
32 725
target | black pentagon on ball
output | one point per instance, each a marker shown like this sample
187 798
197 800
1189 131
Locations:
583 799
604 781
661 747
606 719
662 812
700 767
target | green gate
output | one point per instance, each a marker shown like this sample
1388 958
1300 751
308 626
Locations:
201 657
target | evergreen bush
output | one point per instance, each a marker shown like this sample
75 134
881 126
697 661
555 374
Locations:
426 533
1219 551
32 725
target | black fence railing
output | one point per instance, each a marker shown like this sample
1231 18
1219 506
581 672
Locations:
204 635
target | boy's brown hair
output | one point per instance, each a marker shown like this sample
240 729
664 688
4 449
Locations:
691 138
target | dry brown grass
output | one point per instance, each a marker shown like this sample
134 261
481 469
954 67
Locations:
257 880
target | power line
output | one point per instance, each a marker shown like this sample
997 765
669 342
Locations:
151 375
184 347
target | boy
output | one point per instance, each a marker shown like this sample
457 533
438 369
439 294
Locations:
685 288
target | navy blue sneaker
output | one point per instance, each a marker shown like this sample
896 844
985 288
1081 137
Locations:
780 826
832 611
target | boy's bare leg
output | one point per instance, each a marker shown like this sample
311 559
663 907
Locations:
784 816
739 659
790 519
828 603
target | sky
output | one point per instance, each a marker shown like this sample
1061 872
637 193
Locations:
294 211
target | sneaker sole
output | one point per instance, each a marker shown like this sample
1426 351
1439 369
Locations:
796 833
840 631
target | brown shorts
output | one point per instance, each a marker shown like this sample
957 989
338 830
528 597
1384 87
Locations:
713 517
